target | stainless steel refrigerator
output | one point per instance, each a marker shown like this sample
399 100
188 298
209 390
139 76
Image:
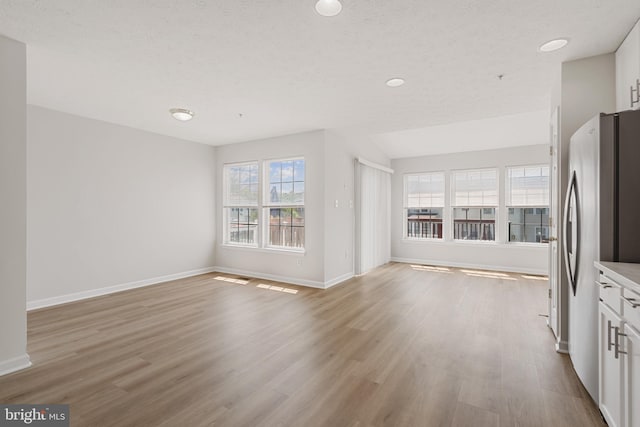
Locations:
601 222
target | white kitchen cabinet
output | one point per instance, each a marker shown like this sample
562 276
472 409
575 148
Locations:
632 377
610 368
628 71
619 343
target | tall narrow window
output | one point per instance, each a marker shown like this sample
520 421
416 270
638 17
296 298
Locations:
527 200
474 203
241 204
284 203
424 205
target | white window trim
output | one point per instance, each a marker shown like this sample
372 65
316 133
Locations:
453 206
406 207
265 206
226 206
507 189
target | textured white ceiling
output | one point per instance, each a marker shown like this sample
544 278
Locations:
286 69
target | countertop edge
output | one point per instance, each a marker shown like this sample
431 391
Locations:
612 270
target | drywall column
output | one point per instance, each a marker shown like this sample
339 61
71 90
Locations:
587 88
13 211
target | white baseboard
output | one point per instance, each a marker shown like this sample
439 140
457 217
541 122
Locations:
509 269
339 279
274 277
562 347
62 299
14 364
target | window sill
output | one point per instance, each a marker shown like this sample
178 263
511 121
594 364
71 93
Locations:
528 244
513 245
296 252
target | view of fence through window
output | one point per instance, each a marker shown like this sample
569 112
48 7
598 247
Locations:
527 199
241 203
474 200
286 201
424 205
474 223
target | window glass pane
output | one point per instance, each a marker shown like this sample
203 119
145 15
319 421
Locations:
242 225
298 192
286 182
298 170
475 187
241 185
528 186
286 227
474 224
287 171
528 225
287 193
424 223
275 170
424 190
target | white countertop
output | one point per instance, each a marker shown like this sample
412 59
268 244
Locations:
625 274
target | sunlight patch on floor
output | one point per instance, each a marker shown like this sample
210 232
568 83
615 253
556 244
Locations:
277 288
232 280
430 268
541 278
488 274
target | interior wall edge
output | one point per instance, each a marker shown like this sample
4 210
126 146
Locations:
274 277
15 364
92 293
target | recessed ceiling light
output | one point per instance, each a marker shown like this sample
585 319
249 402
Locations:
181 114
328 7
395 82
552 45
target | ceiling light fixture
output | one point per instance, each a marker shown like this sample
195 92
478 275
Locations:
181 114
328 7
395 82
553 45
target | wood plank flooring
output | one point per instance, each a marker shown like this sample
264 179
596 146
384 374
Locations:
402 346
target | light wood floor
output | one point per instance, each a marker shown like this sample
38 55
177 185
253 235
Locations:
403 345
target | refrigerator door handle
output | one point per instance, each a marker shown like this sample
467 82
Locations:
571 232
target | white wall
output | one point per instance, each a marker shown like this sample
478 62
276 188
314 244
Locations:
525 258
341 151
110 205
307 268
13 191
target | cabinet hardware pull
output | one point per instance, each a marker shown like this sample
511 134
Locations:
605 286
609 343
637 91
632 301
617 343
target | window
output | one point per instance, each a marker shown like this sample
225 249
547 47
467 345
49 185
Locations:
424 205
474 203
527 199
241 204
284 203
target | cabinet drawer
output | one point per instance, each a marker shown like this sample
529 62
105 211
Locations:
631 308
610 293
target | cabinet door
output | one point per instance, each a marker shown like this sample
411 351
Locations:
632 377
627 69
610 367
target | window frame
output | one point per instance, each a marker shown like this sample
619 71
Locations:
267 205
406 207
453 206
227 205
509 205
